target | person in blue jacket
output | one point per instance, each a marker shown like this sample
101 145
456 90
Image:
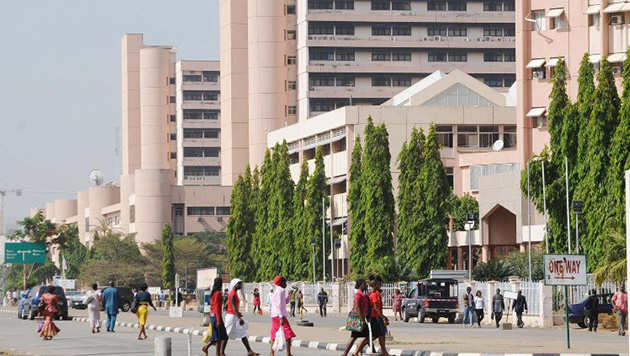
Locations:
111 302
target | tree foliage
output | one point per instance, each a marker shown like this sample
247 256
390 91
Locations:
462 206
302 255
520 265
613 265
358 244
168 260
74 252
241 229
316 197
493 270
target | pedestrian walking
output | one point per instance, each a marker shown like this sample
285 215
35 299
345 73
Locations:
378 321
219 334
520 306
51 308
234 323
5 300
480 305
360 305
279 318
144 301
269 300
226 292
591 310
498 306
469 307
93 301
620 303
111 303
257 302
162 299
292 295
398 299
322 299
300 304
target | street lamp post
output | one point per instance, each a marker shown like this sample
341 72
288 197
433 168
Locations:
577 209
470 224
313 245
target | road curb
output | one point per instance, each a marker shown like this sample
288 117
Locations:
318 345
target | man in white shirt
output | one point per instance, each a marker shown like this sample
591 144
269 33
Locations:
279 316
269 299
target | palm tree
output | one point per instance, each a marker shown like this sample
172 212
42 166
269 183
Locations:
613 267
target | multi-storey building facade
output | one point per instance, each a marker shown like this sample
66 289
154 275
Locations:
170 151
301 58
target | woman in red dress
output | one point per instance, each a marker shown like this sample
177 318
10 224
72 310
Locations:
51 307
398 299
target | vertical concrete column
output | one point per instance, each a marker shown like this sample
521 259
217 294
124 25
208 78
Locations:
163 346
490 289
153 202
546 305
336 298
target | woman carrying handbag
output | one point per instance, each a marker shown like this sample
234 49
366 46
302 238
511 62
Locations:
358 328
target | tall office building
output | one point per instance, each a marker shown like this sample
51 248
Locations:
301 58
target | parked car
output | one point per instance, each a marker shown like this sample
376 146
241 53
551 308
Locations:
32 301
576 311
126 294
77 301
432 298
24 295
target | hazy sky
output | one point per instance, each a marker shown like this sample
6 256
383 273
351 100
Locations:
60 85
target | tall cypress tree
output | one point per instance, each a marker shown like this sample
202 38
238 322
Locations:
604 120
410 164
168 260
586 90
432 210
241 228
358 245
556 112
377 193
316 191
263 244
620 150
302 256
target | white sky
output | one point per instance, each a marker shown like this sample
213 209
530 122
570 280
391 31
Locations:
60 100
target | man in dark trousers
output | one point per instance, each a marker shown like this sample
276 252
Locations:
111 302
520 305
591 310
498 306
322 298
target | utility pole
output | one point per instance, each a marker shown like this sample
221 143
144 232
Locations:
566 171
529 226
545 207
324 238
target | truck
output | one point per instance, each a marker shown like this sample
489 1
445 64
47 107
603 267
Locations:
432 298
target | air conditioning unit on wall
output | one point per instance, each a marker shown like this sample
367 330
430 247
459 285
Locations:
538 75
616 20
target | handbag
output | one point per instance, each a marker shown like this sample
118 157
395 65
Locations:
354 321
134 305
40 326
279 343
41 306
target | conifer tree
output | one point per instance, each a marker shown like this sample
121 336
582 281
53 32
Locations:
168 260
586 90
263 247
358 245
377 196
302 256
241 228
604 120
410 164
316 192
557 106
432 210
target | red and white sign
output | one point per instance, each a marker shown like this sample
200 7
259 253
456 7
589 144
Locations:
565 270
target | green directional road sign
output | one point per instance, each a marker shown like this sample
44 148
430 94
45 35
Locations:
24 252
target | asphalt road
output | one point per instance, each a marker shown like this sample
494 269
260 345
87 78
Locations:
75 338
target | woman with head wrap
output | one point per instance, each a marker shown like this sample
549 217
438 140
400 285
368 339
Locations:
279 317
234 319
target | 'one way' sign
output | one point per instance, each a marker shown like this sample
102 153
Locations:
565 270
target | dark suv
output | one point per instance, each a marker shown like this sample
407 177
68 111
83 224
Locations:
126 296
432 298
29 306
576 311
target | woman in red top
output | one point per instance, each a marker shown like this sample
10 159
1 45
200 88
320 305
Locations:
219 335
234 319
378 322
257 301
51 307
361 305
398 299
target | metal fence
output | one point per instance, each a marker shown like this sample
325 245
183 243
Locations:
577 294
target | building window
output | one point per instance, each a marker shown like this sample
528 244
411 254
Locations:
458 57
345 30
344 56
201 114
173 118
318 106
457 6
445 135
436 5
320 5
381 31
201 95
509 31
509 136
380 5
172 99
173 155
488 135
467 137
436 31
558 22
381 56
509 6
201 133
509 57
290 34
492 57
437 57
319 54
344 4
223 210
540 23
171 81
200 210
382 82
401 56
315 28
291 85
450 176
195 78
291 9
493 31
292 110
210 77
593 20
401 31
132 214
508 82
493 82
457 31
401 81
201 151
201 171
401 5
322 81
173 137
492 6
291 60
345 81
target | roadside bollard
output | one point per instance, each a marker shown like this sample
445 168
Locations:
163 346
